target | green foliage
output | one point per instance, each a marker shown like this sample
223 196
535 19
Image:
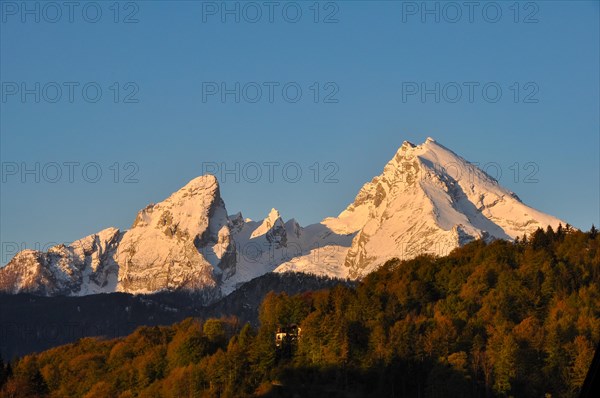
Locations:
500 319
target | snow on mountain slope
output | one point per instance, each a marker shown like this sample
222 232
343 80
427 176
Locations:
183 242
65 270
430 200
427 200
272 245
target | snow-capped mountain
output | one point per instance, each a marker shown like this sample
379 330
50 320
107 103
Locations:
427 200
182 242
85 266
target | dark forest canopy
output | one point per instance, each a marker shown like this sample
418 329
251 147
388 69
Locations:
500 319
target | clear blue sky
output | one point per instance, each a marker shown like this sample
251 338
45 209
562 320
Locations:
371 57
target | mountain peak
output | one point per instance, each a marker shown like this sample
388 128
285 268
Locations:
273 219
407 144
273 215
207 182
186 210
428 199
236 216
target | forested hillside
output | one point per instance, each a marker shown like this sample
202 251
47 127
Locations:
501 319
31 323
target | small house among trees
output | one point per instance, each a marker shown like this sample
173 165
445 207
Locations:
287 336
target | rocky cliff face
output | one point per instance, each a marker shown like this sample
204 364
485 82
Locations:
427 200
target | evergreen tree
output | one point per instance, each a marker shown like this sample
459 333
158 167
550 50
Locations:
3 375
